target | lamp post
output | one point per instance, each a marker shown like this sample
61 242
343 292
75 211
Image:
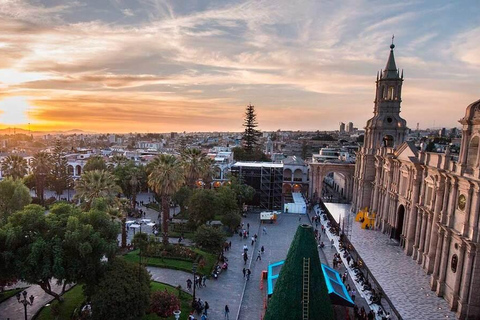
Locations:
194 270
26 302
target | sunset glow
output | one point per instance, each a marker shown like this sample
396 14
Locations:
160 65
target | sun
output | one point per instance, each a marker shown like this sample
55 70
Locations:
14 111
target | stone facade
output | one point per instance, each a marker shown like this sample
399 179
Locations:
427 201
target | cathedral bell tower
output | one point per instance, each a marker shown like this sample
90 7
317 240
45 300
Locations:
386 128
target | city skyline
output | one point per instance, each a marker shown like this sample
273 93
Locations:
160 66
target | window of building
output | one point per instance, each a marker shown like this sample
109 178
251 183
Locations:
428 197
391 92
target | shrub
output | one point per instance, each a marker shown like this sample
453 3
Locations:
164 303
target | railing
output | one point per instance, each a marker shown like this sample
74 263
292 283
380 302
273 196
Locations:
388 307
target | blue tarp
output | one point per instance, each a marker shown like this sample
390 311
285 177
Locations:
336 289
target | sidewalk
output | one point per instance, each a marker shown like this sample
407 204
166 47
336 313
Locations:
11 309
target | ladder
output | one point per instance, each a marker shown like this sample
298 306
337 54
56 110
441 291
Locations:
306 287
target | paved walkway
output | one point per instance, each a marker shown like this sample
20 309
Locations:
403 280
11 309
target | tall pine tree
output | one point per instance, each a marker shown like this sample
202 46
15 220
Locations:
251 134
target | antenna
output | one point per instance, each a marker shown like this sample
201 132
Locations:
393 37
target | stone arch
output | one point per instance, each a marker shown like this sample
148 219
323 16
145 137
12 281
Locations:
287 175
320 170
297 188
287 188
472 153
298 175
388 141
78 170
217 173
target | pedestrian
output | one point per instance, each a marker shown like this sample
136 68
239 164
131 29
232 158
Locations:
204 280
245 248
206 308
229 245
264 230
262 249
244 272
352 294
332 242
189 284
259 256
227 311
204 317
253 240
249 272
299 218
248 226
255 236
245 258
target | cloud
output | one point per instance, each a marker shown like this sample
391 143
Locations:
187 62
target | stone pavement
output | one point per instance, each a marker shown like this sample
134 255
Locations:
11 309
402 279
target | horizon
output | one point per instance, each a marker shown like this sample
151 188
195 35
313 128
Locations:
163 66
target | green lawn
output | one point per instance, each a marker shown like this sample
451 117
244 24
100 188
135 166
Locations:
9 293
183 265
74 298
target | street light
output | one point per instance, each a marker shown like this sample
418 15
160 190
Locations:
194 270
26 302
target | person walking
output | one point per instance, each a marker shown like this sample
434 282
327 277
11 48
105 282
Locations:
204 280
264 230
189 284
249 272
259 256
206 308
227 311
245 258
262 250
244 272
253 241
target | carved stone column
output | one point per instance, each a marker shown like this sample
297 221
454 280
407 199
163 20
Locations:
465 287
438 256
447 238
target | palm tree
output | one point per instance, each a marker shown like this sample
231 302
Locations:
14 166
208 171
194 163
96 184
42 168
166 177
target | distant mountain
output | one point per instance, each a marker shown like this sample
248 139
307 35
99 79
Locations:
23 131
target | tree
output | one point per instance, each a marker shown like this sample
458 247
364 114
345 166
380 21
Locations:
14 166
227 200
96 184
286 301
182 196
244 192
41 166
120 295
202 206
209 238
251 134
67 245
231 220
59 178
164 303
166 178
95 163
195 165
14 195
130 178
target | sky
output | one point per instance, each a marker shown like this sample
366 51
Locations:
194 65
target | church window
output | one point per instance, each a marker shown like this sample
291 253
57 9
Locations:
428 197
472 154
453 263
388 141
391 92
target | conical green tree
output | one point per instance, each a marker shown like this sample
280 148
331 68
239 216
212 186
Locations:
286 301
